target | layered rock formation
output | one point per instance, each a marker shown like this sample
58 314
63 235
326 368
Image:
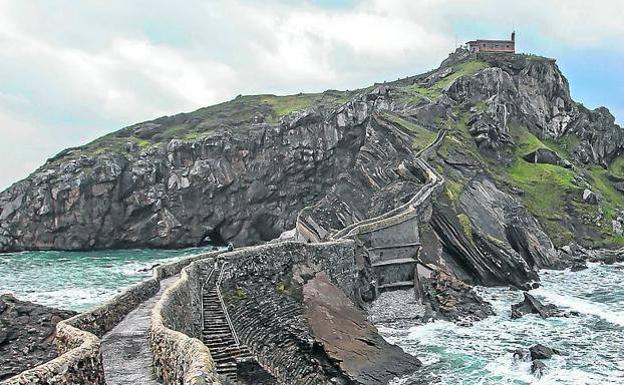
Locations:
242 171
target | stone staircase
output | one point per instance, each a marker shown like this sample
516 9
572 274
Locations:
392 239
274 325
218 333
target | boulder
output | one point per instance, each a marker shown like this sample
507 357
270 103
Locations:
519 354
538 368
619 186
547 156
530 305
453 300
590 197
578 266
541 352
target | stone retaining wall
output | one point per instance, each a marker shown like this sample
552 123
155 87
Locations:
335 258
271 323
179 358
78 363
78 338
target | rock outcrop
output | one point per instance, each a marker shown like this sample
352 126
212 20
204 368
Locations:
531 305
27 332
243 171
541 352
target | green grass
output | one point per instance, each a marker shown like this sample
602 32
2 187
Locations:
280 287
285 105
422 137
239 294
414 93
600 180
616 169
193 126
466 225
526 142
468 68
453 190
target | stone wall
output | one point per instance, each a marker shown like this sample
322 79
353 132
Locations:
179 358
78 363
336 259
78 338
267 308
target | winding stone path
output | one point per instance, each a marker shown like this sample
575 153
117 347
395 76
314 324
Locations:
126 353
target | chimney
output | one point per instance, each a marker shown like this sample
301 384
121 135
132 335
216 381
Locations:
513 36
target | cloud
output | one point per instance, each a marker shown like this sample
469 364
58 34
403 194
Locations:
75 70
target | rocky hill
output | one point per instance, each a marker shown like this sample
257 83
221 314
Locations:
527 169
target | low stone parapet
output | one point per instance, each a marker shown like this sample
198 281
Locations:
78 363
78 338
179 357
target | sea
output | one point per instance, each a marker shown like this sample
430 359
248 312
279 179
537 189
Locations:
591 344
80 280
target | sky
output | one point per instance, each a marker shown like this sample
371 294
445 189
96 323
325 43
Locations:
71 71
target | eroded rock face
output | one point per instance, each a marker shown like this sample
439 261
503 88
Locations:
349 339
499 242
248 178
27 332
453 300
534 93
243 184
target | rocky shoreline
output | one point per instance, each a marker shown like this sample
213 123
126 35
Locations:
26 334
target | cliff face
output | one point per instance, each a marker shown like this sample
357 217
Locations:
518 157
244 181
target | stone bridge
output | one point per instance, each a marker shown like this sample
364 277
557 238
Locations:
390 241
280 313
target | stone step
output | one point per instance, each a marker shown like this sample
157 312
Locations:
397 261
397 285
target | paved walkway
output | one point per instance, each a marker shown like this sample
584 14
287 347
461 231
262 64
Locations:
126 353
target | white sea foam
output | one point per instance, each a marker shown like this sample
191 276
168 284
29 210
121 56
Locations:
582 306
481 354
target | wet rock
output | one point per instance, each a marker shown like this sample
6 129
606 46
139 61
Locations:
26 334
578 266
530 305
453 300
149 268
349 339
538 368
541 352
519 354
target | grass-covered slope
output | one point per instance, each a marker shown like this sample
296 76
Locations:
243 111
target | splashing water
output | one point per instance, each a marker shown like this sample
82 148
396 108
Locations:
79 280
592 344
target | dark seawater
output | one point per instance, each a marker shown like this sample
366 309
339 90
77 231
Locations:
79 280
592 343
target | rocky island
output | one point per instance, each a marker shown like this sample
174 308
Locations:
480 172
